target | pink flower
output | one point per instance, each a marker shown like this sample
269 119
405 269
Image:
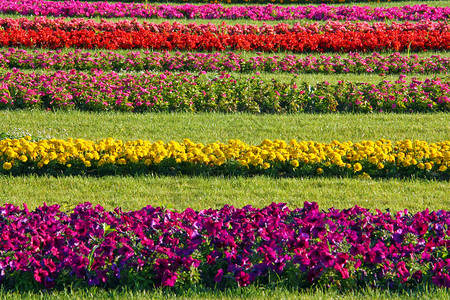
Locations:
218 276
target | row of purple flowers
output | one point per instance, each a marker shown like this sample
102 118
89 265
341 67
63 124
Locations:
225 247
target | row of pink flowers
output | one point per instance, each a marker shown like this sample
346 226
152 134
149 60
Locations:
217 11
395 63
99 91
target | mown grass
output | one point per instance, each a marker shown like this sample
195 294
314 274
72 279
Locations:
133 193
241 293
205 128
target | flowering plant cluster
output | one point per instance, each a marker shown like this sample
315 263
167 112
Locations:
253 1
39 23
216 11
367 159
100 91
350 41
223 248
395 63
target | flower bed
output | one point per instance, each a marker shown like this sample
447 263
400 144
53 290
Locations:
229 247
100 91
394 40
39 23
217 11
395 63
223 248
277 158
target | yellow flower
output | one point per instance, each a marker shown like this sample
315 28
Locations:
405 163
380 166
428 166
442 168
421 166
319 171
364 175
357 167
219 161
295 163
265 166
23 158
52 155
7 165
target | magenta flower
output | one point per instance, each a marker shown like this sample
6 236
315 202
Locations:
219 275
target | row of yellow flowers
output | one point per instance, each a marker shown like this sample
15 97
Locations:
382 158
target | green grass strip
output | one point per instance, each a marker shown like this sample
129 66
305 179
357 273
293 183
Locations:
133 193
208 128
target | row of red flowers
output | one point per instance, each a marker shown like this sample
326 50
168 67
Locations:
297 42
39 23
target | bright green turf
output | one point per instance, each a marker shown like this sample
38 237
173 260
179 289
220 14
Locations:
206 128
242 293
132 193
